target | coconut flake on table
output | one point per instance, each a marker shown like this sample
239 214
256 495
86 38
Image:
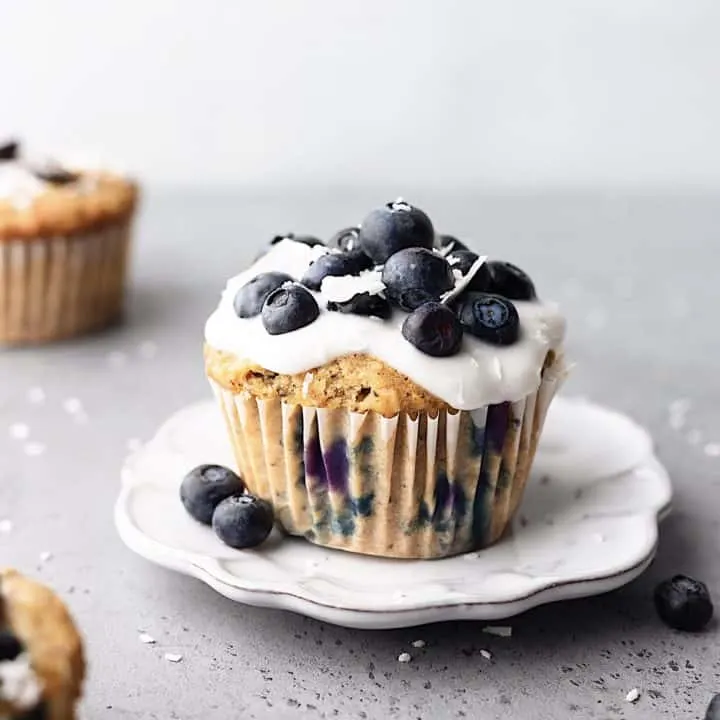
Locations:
632 696
341 288
404 657
173 657
146 639
419 644
504 631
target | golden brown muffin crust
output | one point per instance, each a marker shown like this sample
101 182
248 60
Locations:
42 623
356 382
95 200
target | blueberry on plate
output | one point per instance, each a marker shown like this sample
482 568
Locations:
393 227
10 646
10 150
251 297
289 308
363 304
491 318
337 264
309 240
417 269
449 243
346 239
433 329
510 281
683 603
205 486
412 299
713 710
463 260
243 521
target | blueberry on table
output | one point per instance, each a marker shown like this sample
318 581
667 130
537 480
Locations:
205 486
10 646
251 297
289 308
450 243
433 329
363 304
491 318
463 260
243 521
309 240
346 239
393 227
683 603
337 264
10 150
510 281
713 710
417 269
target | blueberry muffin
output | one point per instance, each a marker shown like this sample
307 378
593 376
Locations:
41 657
64 239
385 392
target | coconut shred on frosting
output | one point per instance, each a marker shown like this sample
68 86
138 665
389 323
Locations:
19 684
479 374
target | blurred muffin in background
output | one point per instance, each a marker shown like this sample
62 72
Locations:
64 246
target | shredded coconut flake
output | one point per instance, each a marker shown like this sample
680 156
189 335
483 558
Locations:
633 696
36 396
33 449
419 644
146 639
19 431
46 556
173 657
404 657
498 630
486 654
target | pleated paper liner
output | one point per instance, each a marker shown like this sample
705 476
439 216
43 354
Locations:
403 487
58 287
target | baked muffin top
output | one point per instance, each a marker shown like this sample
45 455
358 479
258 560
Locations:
44 198
461 330
41 659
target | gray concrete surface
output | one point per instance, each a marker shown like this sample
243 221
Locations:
638 278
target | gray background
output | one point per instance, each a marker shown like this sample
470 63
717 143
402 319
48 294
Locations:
637 276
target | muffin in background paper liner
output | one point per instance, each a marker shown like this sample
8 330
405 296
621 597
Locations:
64 246
404 486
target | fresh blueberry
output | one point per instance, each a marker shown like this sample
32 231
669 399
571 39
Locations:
205 486
10 646
683 603
393 227
338 264
463 260
510 281
10 150
415 269
489 317
251 297
289 308
450 243
346 239
433 329
412 299
713 710
309 240
363 304
243 521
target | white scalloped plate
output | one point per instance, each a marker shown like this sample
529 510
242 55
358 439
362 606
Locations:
588 524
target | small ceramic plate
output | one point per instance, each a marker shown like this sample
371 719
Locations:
588 524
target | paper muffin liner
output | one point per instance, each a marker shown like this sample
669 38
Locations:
422 487
60 286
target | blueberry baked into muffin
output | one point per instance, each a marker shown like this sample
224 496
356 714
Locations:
41 657
64 242
385 392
